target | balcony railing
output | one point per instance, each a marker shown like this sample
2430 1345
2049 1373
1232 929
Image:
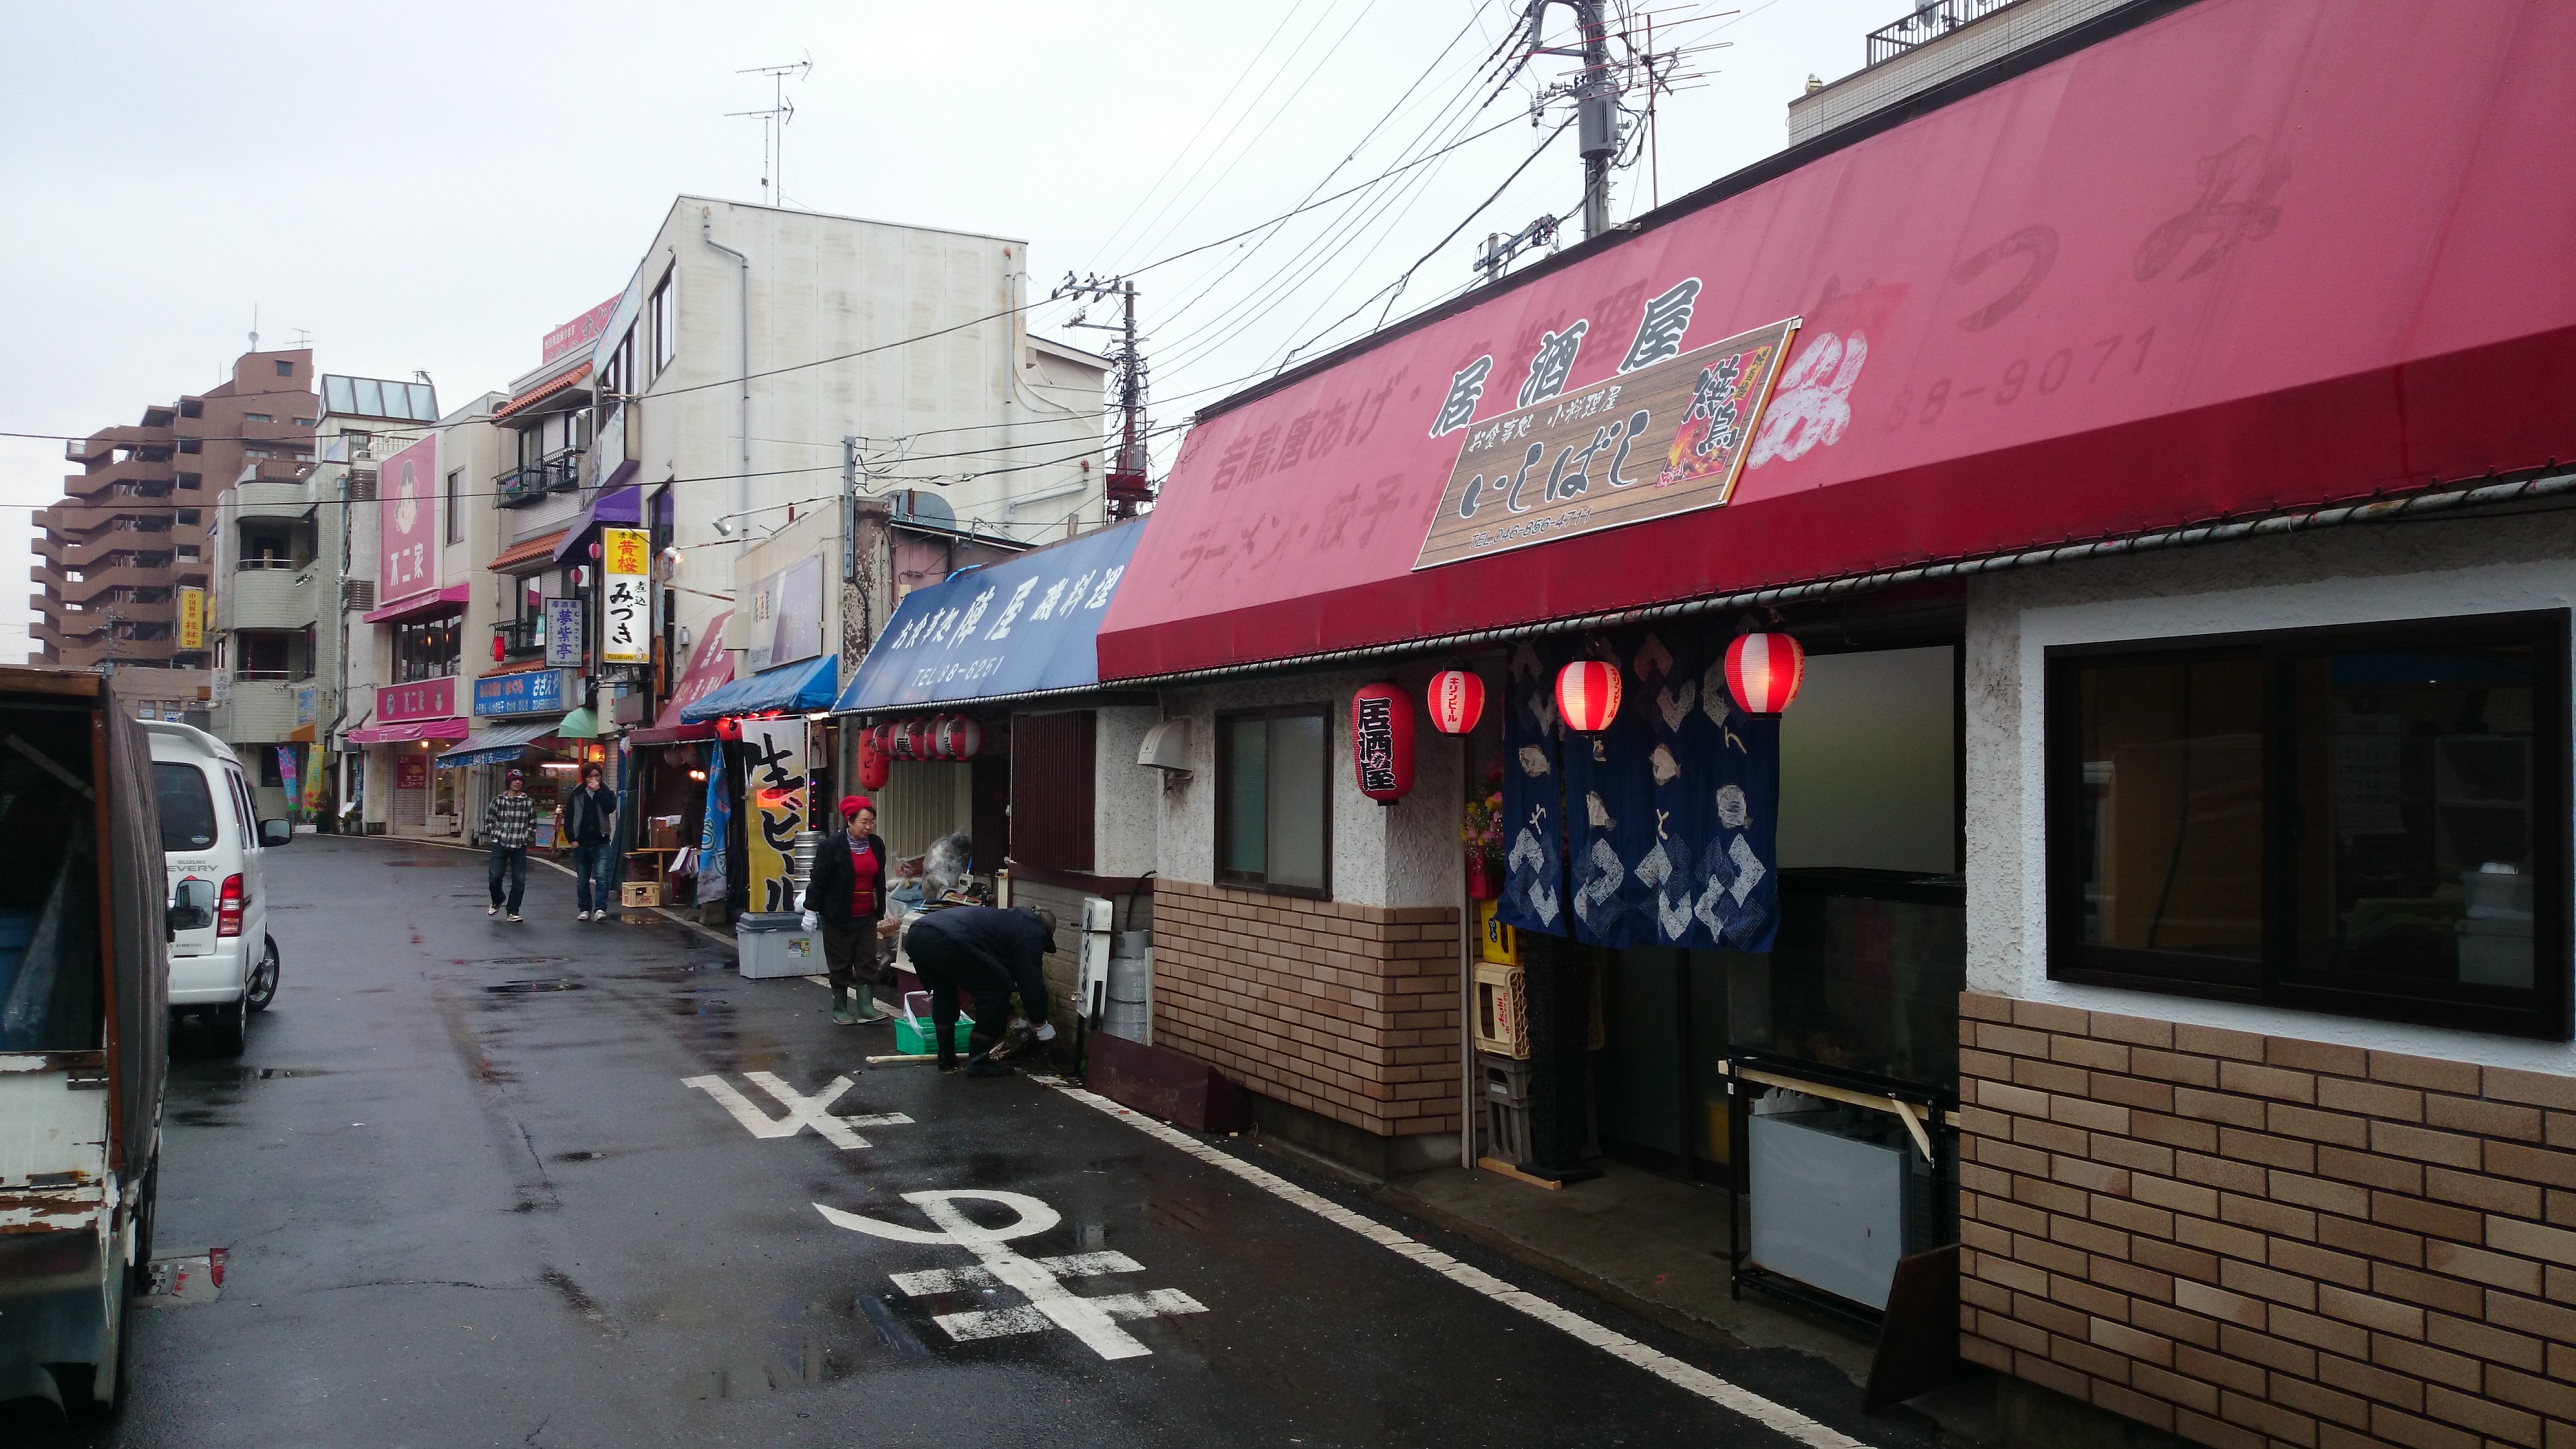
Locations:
1931 20
525 484
521 638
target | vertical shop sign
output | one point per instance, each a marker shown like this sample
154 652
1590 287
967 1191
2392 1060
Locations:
563 633
407 523
411 772
626 597
192 618
774 808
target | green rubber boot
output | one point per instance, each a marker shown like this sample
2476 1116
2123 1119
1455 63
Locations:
843 1012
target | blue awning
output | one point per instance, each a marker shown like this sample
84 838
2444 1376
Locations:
1026 625
497 745
788 689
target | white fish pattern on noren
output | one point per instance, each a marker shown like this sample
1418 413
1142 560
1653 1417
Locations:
802 1111
1734 1398
1050 1304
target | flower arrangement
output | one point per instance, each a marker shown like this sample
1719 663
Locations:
1482 827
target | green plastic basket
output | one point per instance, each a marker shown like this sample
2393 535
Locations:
914 1033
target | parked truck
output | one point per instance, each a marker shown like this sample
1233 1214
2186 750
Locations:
84 1020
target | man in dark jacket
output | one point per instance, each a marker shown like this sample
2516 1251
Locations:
587 819
845 899
991 952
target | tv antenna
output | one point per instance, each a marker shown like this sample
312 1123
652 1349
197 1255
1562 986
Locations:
773 123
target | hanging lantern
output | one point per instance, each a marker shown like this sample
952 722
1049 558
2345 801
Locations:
1382 742
496 648
728 728
1587 695
939 737
960 738
1763 672
898 741
872 762
1457 700
914 740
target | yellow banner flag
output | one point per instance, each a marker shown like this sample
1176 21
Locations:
192 618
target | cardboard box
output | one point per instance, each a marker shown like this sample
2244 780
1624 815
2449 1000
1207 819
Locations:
640 893
662 832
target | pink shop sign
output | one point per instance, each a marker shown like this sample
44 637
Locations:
425 699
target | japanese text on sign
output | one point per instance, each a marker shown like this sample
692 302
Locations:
625 607
1668 437
1373 744
775 790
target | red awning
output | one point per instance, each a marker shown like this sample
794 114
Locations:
403 734
710 668
540 548
2253 255
535 395
429 603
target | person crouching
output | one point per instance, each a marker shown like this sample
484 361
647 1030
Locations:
846 899
990 952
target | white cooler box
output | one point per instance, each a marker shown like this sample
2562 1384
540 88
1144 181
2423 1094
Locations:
770 944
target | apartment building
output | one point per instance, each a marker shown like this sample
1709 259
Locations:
123 560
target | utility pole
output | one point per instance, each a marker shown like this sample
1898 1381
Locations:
1129 489
1596 102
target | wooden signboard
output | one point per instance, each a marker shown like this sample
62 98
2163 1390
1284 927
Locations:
1667 438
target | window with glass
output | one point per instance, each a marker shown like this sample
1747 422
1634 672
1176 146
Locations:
1274 804
2365 820
427 648
659 318
455 508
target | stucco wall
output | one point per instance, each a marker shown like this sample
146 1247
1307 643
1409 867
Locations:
2340 576
1404 854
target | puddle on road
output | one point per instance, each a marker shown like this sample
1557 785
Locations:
504 961
399 864
525 988
579 1156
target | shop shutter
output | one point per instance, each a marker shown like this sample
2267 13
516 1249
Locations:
1051 789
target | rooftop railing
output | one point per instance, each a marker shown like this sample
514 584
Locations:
1931 20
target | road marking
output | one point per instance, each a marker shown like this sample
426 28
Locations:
802 1111
1726 1395
1050 1304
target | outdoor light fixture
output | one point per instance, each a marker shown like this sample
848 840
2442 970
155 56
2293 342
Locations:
1763 672
1587 695
723 528
698 775
1457 701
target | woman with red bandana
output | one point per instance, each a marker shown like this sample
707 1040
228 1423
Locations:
846 897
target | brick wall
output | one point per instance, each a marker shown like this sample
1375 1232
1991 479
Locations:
1348 1011
2252 1240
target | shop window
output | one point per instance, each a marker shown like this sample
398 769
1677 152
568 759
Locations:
427 648
1273 804
2370 821
455 509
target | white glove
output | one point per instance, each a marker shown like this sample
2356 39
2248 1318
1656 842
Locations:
812 920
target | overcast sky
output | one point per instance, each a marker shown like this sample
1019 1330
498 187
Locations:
433 187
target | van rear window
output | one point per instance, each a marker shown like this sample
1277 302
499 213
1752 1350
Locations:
187 807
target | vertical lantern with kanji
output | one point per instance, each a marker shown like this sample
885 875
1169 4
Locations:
1457 700
1382 742
872 761
1763 672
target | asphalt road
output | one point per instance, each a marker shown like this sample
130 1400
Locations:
468 1196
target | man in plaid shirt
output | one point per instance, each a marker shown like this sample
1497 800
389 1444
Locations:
508 824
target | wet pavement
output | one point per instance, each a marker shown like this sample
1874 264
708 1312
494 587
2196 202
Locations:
560 1184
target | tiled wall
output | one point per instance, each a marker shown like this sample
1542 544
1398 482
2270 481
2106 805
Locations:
2252 1240
1348 1011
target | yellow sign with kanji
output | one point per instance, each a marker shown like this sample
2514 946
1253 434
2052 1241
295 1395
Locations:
192 618
625 596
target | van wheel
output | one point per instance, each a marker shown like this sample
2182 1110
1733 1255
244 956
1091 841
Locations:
263 977
231 1026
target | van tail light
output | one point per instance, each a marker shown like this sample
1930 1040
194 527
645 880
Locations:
228 907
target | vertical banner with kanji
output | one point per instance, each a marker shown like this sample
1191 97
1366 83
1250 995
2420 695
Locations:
626 598
774 809
192 618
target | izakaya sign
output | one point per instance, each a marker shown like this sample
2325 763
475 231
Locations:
625 609
1667 436
407 532
775 808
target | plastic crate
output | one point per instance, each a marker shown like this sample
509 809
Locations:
1507 1132
639 893
914 1033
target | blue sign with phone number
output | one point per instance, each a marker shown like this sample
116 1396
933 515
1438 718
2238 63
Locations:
538 691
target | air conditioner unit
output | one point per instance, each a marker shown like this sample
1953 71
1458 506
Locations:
358 595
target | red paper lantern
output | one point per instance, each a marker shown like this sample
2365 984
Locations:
1587 695
728 727
496 648
1382 742
914 738
1457 701
1763 672
872 762
960 738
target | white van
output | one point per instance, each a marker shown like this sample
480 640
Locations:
210 831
